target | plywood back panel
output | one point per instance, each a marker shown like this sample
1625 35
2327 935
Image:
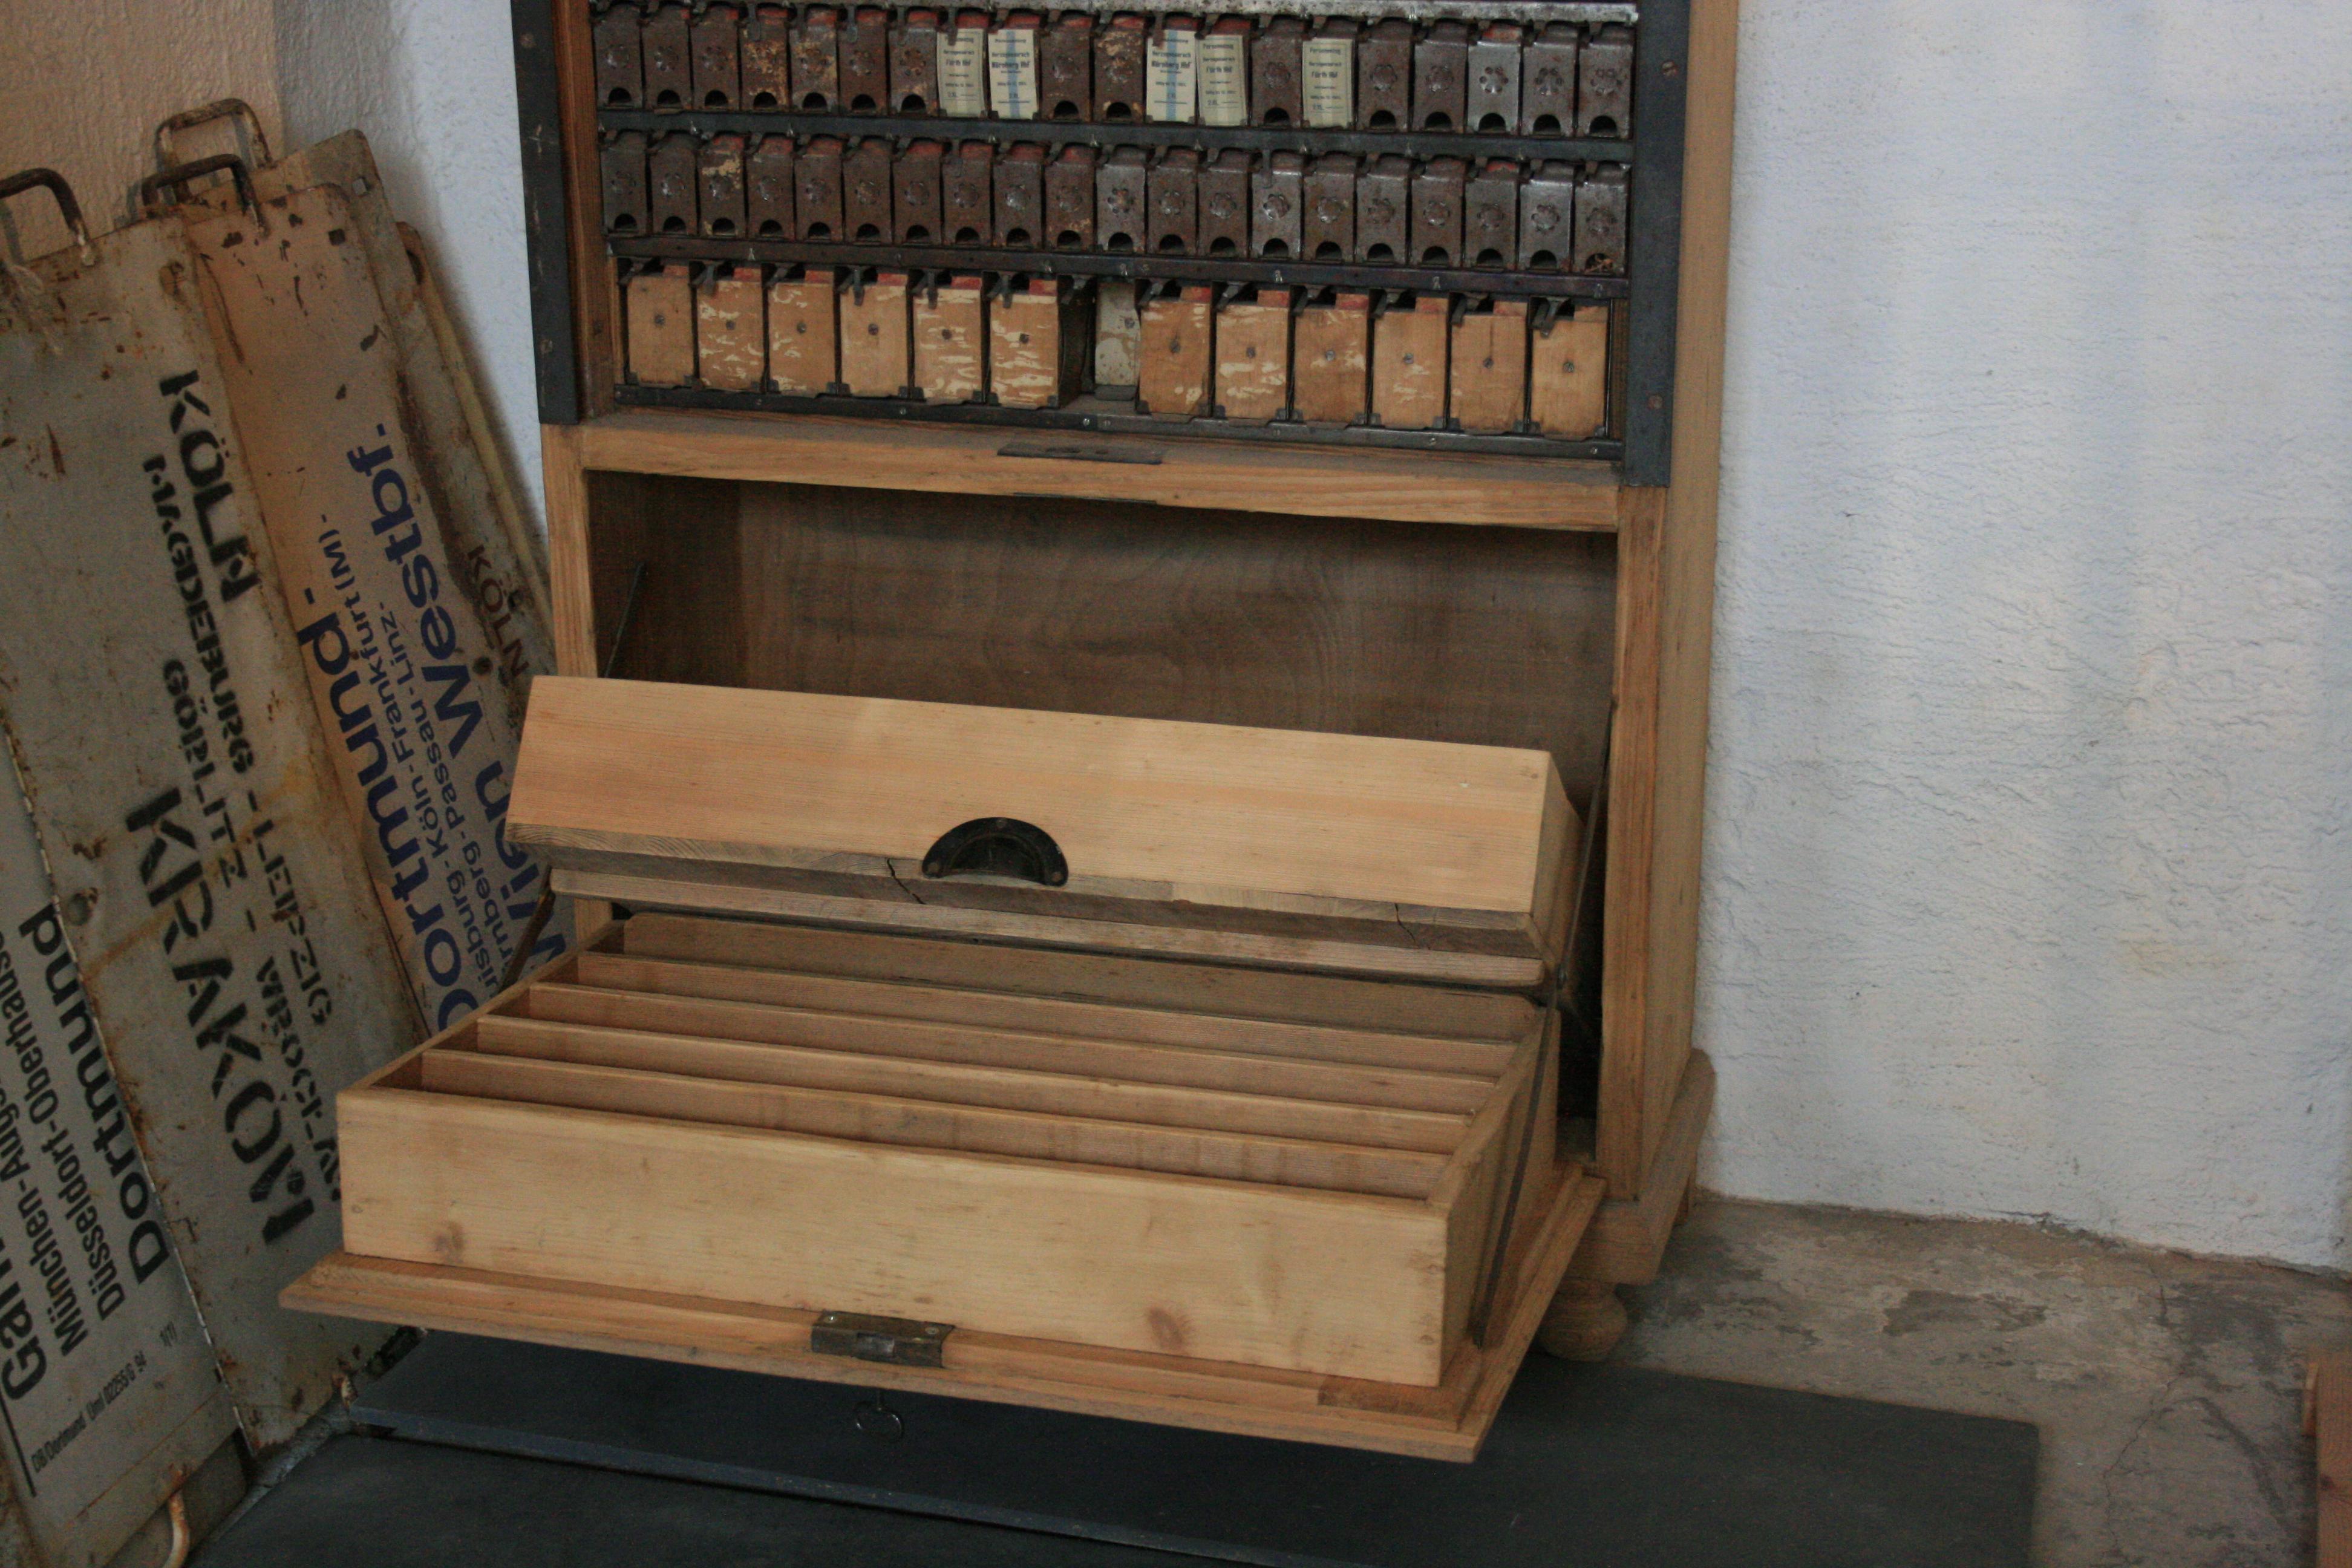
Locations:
1493 637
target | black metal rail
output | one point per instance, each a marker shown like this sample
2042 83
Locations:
1101 421
969 259
1463 144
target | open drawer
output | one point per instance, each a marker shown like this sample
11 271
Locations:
1227 1195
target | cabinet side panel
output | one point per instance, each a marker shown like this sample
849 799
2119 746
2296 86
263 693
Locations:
1276 1278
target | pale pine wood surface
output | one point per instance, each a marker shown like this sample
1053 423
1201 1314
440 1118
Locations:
1215 814
1413 487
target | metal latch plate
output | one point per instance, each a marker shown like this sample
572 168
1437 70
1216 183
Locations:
896 1341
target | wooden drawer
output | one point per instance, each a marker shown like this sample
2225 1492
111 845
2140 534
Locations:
1139 1156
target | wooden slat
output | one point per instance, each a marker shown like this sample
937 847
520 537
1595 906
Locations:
1047 1015
1413 486
1342 954
1189 813
1005 1087
882 1119
1447 1421
1131 982
2330 1422
1628 1236
958 1039
1227 1271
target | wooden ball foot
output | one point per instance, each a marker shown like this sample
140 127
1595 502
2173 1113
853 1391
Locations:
1585 1321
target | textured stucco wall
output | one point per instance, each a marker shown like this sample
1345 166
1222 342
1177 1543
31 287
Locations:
2028 883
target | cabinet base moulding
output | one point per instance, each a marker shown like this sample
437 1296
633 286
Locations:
1447 1422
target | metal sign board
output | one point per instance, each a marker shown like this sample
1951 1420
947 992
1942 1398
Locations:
207 878
109 1398
419 695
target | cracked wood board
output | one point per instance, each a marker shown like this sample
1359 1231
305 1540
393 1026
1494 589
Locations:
182 798
109 1398
419 692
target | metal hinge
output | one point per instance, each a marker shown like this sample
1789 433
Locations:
900 1342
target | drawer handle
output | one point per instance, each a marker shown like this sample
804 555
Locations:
998 847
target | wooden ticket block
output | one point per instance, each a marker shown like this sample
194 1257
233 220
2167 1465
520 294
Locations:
1173 369
964 199
674 183
1118 335
661 325
1020 195
1331 360
1119 68
1276 72
1327 223
1490 213
865 190
1548 81
1037 345
719 171
1568 376
1328 74
768 57
1488 375
816 59
1253 356
1119 199
866 60
716 40
816 187
730 331
1384 76
623 156
619 45
1409 365
915 218
1441 69
1173 187
767 182
876 355
915 63
669 57
950 337
1070 198
804 331
1383 200
1066 66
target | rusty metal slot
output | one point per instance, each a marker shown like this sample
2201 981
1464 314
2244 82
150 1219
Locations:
1119 68
915 194
1440 66
1600 220
915 63
672 178
1070 199
1547 216
1436 216
866 60
816 187
865 190
767 57
1277 195
1020 195
1327 213
1278 72
1604 86
718 42
1493 82
1382 202
1173 190
720 168
816 59
1548 81
768 190
1066 55
964 194
1384 77
668 56
1490 214
1119 198
1226 203
619 42
624 159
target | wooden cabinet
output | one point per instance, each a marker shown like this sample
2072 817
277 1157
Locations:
800 650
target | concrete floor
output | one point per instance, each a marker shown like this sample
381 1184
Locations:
2168 1389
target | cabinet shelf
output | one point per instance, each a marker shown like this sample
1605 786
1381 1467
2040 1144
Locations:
1396 486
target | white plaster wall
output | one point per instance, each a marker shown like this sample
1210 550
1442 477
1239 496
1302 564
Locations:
2029 882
